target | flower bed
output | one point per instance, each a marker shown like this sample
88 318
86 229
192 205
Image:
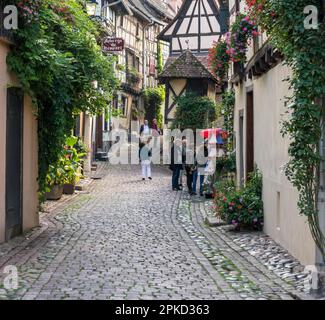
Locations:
241 207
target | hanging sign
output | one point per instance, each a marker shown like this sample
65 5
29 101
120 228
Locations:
113 44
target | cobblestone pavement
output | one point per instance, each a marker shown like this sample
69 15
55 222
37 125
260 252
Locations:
129 239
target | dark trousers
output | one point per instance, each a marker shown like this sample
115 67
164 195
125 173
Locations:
189 179
195 176
176 173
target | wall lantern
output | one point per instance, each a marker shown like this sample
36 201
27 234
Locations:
92 7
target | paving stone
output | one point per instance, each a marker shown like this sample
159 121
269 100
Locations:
129 239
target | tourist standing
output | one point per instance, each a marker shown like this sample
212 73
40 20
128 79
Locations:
145 128
145 157
190 168
155 129
201 156
176 163
182 171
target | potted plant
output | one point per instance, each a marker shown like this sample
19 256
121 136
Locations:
72 164
55 179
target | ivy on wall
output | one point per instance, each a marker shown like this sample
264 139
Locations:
304 51
57 60
228 109
160 58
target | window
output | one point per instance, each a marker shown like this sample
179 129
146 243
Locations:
152 66
122 21
124 101
197 86
132 61
137 64
138 29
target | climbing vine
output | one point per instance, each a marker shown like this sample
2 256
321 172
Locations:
160 58
304 51
228 109
57 60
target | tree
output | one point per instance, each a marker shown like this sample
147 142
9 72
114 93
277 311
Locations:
194 112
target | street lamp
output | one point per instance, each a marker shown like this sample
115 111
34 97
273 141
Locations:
92 7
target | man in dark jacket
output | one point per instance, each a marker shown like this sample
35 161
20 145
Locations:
176 164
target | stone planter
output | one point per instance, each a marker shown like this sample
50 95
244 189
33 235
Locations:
68 188
55 193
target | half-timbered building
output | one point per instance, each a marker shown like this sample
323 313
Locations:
198 24
138 60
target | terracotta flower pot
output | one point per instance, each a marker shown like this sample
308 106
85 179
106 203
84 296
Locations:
55 193
68 188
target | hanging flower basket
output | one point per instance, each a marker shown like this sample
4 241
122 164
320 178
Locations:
219 60
242 31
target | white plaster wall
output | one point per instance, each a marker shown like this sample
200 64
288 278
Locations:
282 220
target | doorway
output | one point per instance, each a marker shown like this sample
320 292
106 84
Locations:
250 162
14 163
241 147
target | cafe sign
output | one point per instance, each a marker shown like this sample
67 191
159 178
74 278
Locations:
113 44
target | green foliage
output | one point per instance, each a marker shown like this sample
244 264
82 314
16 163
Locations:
133 76
81 147
228 109
194 112
304 52
56 174
68 167
226 164
153 100
160 59
243 207
57 59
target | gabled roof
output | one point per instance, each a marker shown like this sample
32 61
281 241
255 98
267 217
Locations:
213 15
150 10
187 65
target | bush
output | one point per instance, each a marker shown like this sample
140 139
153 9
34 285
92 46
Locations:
241 207
226 164
194 112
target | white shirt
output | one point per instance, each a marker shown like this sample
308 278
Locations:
146 129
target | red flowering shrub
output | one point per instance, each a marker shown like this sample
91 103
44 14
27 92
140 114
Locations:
219 60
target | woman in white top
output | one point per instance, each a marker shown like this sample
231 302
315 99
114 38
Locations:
145 158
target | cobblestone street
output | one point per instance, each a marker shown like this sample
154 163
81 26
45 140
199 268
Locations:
129 239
